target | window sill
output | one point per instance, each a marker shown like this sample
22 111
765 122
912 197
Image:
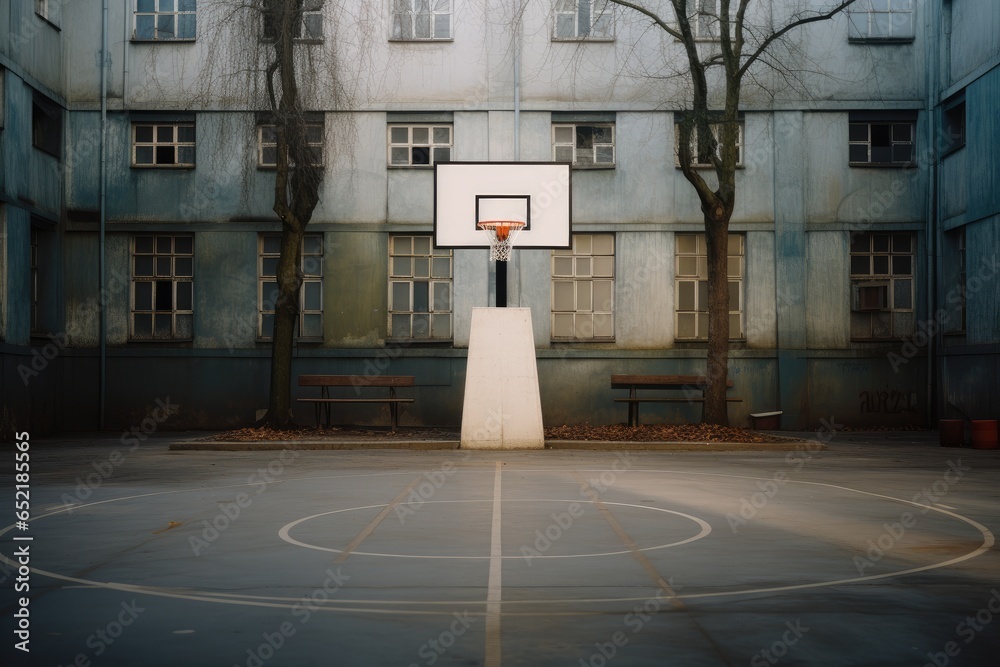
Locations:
952 150
880 40
174 342
420 40
411 342
410 166
707 166
50 154
882 165
274 167
46 19
185 40
170 167
594 167
577 40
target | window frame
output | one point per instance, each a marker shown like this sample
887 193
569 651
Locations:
564 265
883 280
311 264
396 23
410 144
575 127
46 125
699 277
716 128
155 277
156 143
310 9
434 256
954 123
262 145
576 16
157 12
860 29
893 122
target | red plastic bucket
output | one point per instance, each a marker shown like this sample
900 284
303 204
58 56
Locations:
951 432
984 433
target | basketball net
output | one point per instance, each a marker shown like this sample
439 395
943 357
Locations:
502 234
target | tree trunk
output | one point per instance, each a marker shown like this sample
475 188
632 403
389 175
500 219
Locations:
286 317
717 242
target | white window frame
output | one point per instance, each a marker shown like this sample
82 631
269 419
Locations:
716 129
408 20
704 21
896 142
158 141
590 20
167 265
881 21
583 290
310 323
437 150
162 11
314 136
566 138
691 286
883 317
417 272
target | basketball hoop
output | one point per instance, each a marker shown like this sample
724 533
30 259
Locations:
502 234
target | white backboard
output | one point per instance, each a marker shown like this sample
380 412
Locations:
536 193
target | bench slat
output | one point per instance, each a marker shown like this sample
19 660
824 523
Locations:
667 381
355 400
669 400
356 381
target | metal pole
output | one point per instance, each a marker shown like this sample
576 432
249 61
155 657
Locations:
101 298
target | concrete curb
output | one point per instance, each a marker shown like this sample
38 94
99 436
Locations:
429 445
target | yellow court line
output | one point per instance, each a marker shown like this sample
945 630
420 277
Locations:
373 524
494 593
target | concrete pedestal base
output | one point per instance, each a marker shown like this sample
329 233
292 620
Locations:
503 408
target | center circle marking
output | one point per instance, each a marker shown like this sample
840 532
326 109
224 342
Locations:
285 531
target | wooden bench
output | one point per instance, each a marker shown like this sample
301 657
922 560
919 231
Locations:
356 382
687 383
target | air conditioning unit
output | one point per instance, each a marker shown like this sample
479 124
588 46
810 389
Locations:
870 296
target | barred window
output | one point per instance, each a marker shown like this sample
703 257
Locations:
583 289
310 324
691 285
420 289
885 141
162 287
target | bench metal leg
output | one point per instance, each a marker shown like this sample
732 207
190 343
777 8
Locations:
633 409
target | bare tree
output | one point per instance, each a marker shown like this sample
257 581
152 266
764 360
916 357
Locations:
709 136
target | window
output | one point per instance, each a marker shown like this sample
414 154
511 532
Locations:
881 285
881 140
310 323
716 129
880 21
583 289
164 20
163 144
956 298
420 280
310 28
421 19
162 286
691 286
704 18
46 125
419 145
953 123
267 144
42 8
582 19
585 145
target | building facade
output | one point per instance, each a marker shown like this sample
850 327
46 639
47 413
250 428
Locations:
863 268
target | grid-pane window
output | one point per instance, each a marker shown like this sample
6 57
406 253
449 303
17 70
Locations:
703 17
882 289
691 286
310 324
582 19
880 20
162 287
267 144
421 19
881 142
583 289
308 28
716 129
158 20
163 144
419 145
420 289
585 145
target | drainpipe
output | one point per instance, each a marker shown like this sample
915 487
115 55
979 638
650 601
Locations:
933 82
103 197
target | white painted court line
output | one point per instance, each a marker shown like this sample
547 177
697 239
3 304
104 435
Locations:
493 596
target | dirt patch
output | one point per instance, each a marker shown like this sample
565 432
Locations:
613 432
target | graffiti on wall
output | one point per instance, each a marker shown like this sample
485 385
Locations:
888 401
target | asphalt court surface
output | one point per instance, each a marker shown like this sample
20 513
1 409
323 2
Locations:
878 550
